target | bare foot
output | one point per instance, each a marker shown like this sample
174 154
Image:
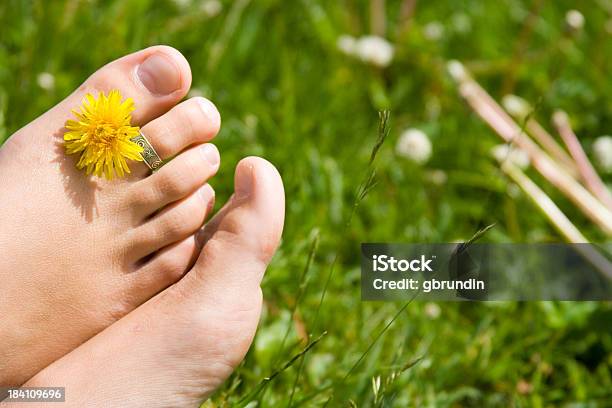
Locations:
79 252
176 349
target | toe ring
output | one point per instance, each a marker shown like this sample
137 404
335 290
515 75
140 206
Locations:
149 155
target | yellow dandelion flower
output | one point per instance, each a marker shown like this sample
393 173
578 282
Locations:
102 135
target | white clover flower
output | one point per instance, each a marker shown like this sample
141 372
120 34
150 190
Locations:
211 8
602 150
516 156
433 31
574 20
516 106
347 44
374 50
46 81
456 70
432 310
414 145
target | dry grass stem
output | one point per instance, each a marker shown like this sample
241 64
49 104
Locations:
587 172
493 114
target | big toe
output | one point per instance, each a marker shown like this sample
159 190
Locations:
156 78
238 243
240 240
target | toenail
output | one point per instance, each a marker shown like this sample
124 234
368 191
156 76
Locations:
159 74
210 111
211 154
244 182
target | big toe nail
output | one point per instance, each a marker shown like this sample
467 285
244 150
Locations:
160 74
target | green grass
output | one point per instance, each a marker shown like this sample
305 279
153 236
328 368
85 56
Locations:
286 93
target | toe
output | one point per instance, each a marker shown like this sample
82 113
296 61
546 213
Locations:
174 223
222 289
191 122
174 181
156 78
240 240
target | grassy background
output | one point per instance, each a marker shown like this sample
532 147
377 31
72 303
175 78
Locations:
285 92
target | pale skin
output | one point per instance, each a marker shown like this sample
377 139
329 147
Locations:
118 290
